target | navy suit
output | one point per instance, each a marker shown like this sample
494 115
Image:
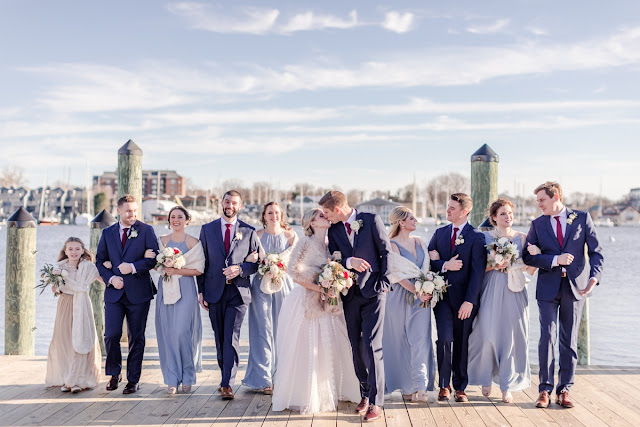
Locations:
132 300
558 295
364 304
227 302
465 285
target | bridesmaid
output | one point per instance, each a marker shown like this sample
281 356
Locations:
409 360
178 324
74 357
276 237
498 345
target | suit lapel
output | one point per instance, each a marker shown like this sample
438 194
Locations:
568 231
446 242
356 235
343 239
128 242
234 241
217 235
463 234
115 236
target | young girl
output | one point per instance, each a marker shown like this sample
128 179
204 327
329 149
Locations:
74 353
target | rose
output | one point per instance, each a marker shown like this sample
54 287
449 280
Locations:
349 282
438 282
167 252
176 251
274 270
272 257
280 265
64 273
168 262
503 241
179 262
418 286
427 288
56 271
499 259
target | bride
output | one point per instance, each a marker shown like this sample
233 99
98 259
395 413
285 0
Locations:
315 365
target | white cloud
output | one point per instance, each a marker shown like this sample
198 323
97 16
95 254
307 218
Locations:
311 21
398 22
537 31
202 17
493 28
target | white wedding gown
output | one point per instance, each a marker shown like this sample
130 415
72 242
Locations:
314 364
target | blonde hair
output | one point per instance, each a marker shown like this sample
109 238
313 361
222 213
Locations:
85 252
399 213
307 219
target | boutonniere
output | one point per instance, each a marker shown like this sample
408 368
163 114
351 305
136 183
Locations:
357 225
238 236
459 240
133 233
572 217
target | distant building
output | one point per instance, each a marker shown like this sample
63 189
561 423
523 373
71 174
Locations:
381 207
629 216
57 203
171 184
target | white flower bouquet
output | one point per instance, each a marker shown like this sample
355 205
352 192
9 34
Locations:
272 268
501 250
52 275
169 258
334 280
432 284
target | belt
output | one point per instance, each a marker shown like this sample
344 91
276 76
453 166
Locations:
563 274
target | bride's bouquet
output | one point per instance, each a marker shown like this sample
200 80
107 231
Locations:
334 280
501 250
169 258
432 284
272 268
51 275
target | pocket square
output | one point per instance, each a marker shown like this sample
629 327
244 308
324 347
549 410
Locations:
578 231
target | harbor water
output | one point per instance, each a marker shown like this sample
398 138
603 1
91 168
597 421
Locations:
615 318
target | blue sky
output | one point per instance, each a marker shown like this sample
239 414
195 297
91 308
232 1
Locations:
355 94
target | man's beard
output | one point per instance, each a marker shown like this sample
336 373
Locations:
230 215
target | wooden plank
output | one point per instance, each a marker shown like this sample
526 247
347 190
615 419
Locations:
395 412
537 416
628 398
233 411
477 411
558 414
256 411
296 419
196 399
347 415
420 413
325 419
276 419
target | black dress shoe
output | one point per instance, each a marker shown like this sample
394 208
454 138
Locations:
113 382
130 388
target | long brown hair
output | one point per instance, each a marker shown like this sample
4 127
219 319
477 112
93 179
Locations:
85 255
285 225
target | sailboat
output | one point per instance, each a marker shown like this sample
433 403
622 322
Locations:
42 219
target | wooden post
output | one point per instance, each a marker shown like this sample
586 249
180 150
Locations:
96 292
584 342
484 182
20 282
130 172
130 182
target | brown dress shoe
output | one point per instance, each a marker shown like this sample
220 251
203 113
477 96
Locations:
445 393
461 396
373 413
113 382
563 399
227 393
363 406
543 399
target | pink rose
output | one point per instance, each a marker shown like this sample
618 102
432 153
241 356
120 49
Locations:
168 262
56 271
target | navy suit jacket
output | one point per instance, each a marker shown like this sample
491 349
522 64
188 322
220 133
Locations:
580 233
212 282
370 243
138 287
466 283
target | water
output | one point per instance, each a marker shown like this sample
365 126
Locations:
615 335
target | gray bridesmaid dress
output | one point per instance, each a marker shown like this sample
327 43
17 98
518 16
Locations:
498 345
179 331
409 358
263 320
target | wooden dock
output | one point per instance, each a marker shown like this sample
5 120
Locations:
605 396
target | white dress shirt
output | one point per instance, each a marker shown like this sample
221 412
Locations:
460 228
562 216
351 220
223 227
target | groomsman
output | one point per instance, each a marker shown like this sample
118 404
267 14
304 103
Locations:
129 290
364 246
557 241
224 287
462 257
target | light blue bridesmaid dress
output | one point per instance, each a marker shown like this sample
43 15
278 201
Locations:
409 359
263 320
498 345
179 331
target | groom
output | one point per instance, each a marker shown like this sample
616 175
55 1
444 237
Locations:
564 281
129 290
363 244
462 259
224 287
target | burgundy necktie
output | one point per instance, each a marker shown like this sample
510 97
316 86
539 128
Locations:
559 231
453 237
124 236
348 226
227 239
